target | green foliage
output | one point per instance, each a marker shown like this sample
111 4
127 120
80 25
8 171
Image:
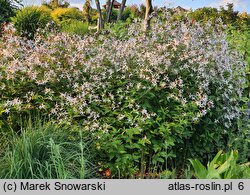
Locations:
86 10
229 16
126 13
7 10
223 166
239 39
142 9
113 15
146 148
28 20
118 30
75 27
135 12
205 14
44 151
53 4
61 15
45 9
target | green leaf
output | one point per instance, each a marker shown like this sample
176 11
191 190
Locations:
231 161
215 159
213 174
200 169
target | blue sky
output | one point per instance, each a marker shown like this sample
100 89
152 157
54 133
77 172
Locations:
240 5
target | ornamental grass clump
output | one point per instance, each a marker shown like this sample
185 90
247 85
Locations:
29 19
150 100
44 151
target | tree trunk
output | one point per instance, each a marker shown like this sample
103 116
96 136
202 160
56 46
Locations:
107 5
149 10
109 10
100 24
121 10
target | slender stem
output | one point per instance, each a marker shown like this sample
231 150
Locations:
142 164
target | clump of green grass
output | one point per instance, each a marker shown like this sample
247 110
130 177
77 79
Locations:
45 152
75 27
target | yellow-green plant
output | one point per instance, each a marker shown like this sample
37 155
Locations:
75 27
60 15
223 166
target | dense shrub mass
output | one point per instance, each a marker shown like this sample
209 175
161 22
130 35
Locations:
29 19
150 100
66 14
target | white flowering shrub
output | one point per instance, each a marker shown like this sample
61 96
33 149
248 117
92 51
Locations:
147 99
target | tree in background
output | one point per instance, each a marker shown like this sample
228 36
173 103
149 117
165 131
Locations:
121 10
100 24
53 4
86 10
135 12
62 15
109 6
149 10
142 10
205 14
229 15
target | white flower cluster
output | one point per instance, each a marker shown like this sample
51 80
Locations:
95 77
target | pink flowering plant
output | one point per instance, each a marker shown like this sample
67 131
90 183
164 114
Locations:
149 100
